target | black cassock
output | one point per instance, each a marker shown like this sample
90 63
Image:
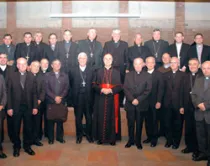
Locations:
106 116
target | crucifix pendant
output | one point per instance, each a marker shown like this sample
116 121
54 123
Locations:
156 54
27 57
83 83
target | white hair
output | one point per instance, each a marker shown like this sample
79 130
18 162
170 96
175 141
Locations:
116 31
82 54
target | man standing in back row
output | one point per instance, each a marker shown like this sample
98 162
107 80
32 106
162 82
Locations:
157 47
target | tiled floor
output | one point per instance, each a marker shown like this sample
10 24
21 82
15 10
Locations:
85 154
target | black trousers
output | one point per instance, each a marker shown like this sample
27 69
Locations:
135 117
152 124
203 136
36 121
81 109
10 127
26 115
59 130
161 121
43 114
174 124
190 130
1 129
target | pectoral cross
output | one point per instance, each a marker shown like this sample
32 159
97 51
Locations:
27 57
83 83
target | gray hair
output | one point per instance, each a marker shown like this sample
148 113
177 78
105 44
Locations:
82 54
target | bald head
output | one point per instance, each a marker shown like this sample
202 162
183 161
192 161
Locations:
206 68
175 63
138 64
22 64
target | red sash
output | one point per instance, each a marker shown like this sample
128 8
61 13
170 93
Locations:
116 104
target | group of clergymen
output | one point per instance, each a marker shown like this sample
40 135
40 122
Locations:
162 84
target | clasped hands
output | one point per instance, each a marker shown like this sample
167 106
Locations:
106 91
202 107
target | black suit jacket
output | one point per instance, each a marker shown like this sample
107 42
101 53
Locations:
14 92
174 95
97 52
163 48
50 80
52 55
205 56
172 50
40 87
139 89
120 54
41 50
7 72
71 61
21 51
199 95
75 83
3 49
133 52
156 94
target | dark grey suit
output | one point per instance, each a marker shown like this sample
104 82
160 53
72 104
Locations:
200 94
96 60
3 101
10 54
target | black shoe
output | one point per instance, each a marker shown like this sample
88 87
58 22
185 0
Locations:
16 152
30 151
147 141
168 144
175 146
50 142
139 147
2 155
62 141
99 142
38 143
89 139
153 144
113 143
79 140
195 154
186 150
200 157
129 144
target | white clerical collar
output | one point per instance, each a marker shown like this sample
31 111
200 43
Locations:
174 72
34 74
3 67
52 45
82 68
37 43
166 65
193 74
8 46
178 44
56 73
44 71
150 71
22 73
